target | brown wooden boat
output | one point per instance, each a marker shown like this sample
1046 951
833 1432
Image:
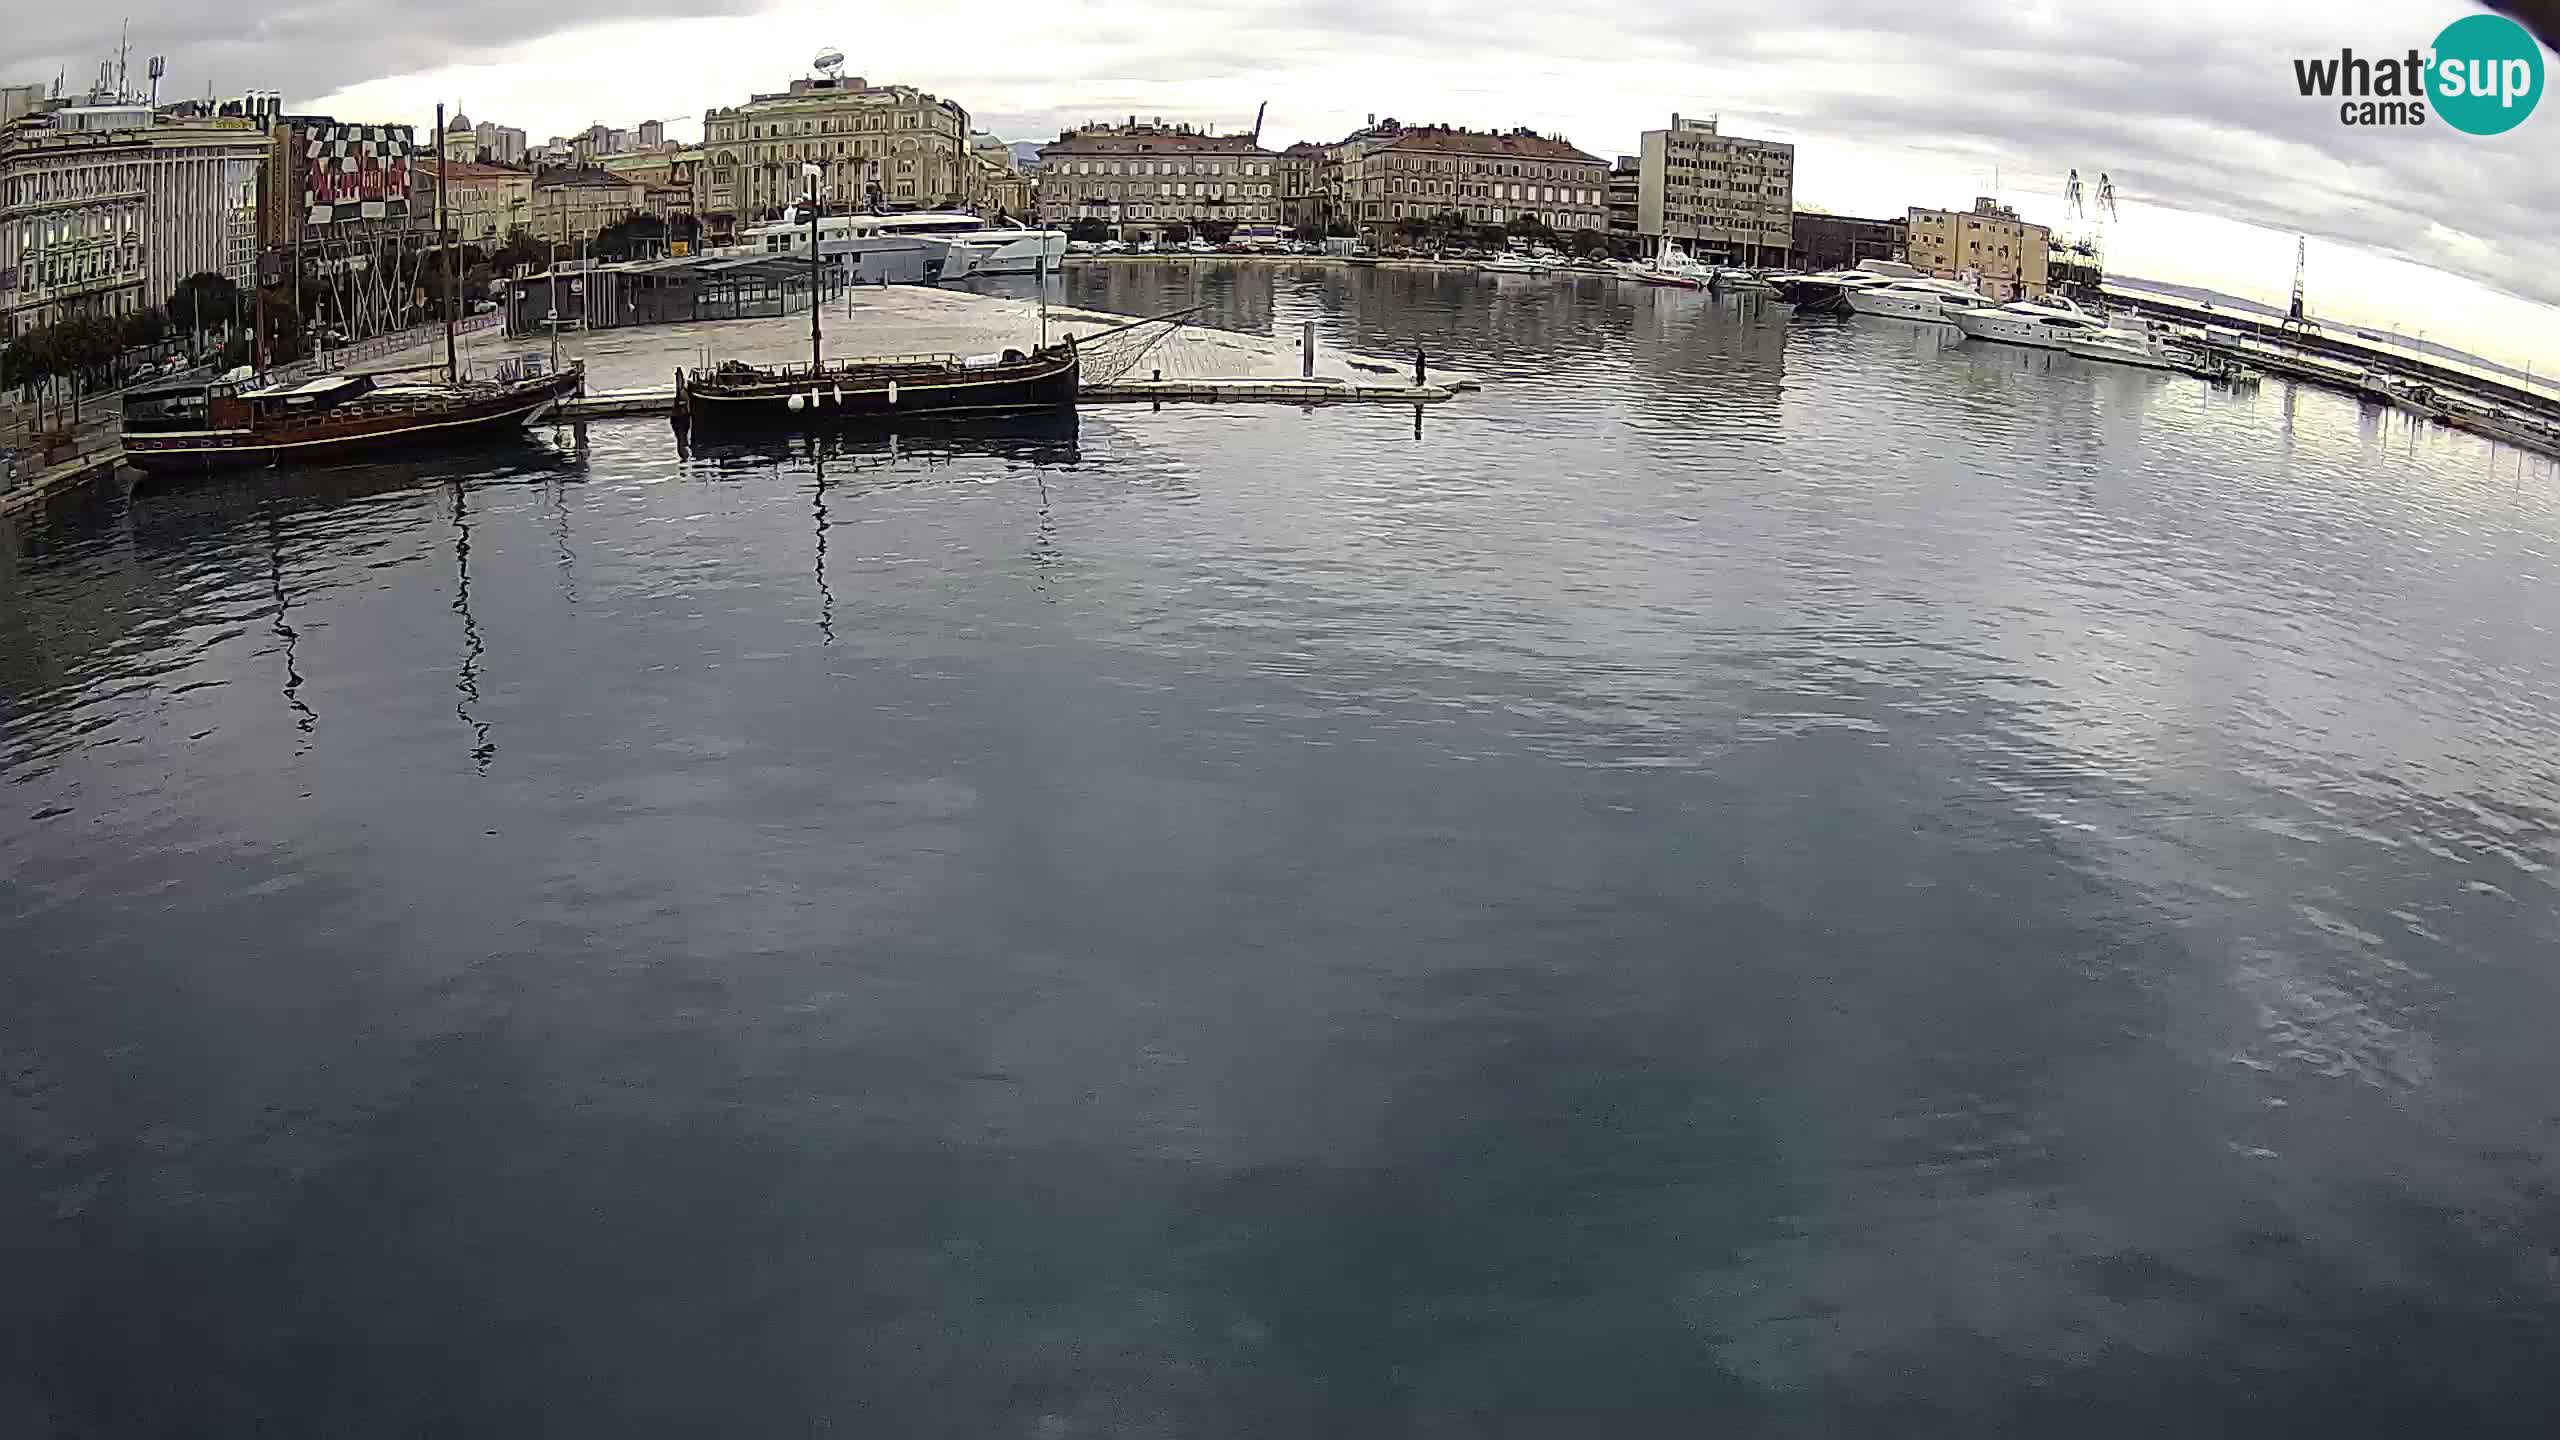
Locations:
218 424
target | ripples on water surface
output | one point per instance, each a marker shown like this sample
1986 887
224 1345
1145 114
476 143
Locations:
1752 879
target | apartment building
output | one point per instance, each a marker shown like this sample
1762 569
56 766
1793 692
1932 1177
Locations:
1839 242
200 203
1722 197
1390 173
71 224
571 205
1626 183
1302 197
483 204
905 147
2005 257
1142 179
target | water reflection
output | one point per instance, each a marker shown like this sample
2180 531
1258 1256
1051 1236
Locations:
467 681
304 718
1804 873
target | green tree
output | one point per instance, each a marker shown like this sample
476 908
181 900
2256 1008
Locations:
1089 230
142 328
1217 232
1177 234
204 301
630 238
283 328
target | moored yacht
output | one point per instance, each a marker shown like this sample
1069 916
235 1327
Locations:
2039 324
2121 347
970 244
1929 301
1827 291
1673 266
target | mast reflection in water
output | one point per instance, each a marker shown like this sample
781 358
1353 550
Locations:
1793 873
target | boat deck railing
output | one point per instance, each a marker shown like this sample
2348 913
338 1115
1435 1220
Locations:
798 368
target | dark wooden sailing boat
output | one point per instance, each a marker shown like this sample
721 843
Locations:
734 395
219 423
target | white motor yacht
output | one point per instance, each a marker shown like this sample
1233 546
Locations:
1828 290
970 244
1928 301
2039 324
2120 347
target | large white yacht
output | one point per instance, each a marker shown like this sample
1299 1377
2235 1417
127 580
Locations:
971 245
1926 300
2123 347
1828 291
2041 324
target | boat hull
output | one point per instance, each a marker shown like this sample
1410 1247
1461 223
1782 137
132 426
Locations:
1926 309
329 440
1991 325
860 395
1030 255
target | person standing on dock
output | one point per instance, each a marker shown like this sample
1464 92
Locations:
1420 369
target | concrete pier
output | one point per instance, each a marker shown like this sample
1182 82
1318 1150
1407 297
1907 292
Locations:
918 320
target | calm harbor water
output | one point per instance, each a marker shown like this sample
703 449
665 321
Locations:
1754 878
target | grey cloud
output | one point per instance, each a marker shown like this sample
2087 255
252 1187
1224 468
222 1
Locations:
308 50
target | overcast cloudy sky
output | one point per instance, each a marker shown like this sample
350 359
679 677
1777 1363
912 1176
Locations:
2190 106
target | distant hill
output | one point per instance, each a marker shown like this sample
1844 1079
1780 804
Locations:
1026 153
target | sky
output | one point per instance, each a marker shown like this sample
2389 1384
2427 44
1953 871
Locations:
2190 107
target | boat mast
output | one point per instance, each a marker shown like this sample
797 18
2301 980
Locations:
817 355
452 371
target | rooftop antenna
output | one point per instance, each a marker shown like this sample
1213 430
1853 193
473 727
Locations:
124 52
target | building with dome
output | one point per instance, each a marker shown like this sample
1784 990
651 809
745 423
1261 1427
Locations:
461 142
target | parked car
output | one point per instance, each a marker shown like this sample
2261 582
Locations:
483 307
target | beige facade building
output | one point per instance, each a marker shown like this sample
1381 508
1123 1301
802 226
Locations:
570 206
1721 197
1390 173
2003 256
484 204
461 139
1142 179
200 204
997 185
909 144
1302 197
71 225
104 212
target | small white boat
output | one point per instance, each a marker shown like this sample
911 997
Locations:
1673 267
